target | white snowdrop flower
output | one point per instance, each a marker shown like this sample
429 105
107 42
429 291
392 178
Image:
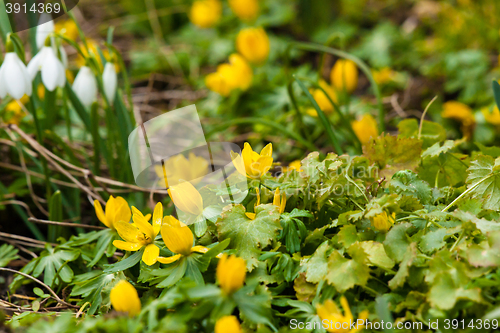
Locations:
44 29
14 78
53 72
110 81
85 86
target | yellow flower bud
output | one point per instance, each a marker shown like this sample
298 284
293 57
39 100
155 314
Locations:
177 236
246 10
323 101
383 222
228 324
187 198
124 298
117 209
365 128
205 13
237 74
493 117
231 272
253 44
344 75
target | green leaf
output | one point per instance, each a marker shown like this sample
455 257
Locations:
392 154
304 290
496 92
491 151
377 255
437 149
124 263
249 237
433 240
53 264
396 241
484 181
399 279
407 183
447 169
345 273
7 254
486 253
317 266
432 133
348 235
104 242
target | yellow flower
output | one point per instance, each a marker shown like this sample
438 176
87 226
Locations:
253 44
187 198
231 272
383 222
141 234
333 319
14 112
92 51
462 113
493 117
246 10
279 200
365 128
237 74
179 239
383 75
322 99
117 209
67 28
228 324
179 168
124 298
205 13
251 164
40 90
344 75
295 165
251 216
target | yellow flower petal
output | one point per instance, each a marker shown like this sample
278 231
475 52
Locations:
128 232
150 255
267 150
344 75
177 236
251 216
157 218
199 249
124 298
228 324
110 211
187 198
127 246
100 214
122 210
144 226
169 260
238 163
231 273
253 44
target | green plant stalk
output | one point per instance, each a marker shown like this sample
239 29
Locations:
470 189
94 118
299 118
5 26
55 214
321 115
39 137
366 70
253 120
50 108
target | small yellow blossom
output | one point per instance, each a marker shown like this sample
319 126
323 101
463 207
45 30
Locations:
187 198
92 51
231 272
205 13
117 209
179 239
246 10
251 216
141 234
336 322
228 324
322 99
14 112
344 75
462 113
179 168
493 117
365 128
67 28
294 165
124 298
252 164
384 75
237 74
253 44
279 200
383 222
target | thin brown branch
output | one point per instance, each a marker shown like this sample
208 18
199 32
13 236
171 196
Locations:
66 224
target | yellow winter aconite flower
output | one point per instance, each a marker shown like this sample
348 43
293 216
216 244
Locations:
322 99
179 239
205 13
253 44
246 10
187 198
14 112
252 164
462 113
384 75
141 234
365 128
237 74
383 222
228 324
294 165
67 28
92 51
179 168
493 117
333 319
124 298
279 200
231 272
344 75
117 209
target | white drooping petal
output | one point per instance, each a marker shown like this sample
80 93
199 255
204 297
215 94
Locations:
44 29
36 63
52 69
64 56
85 86
15 76
110 81
3 89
